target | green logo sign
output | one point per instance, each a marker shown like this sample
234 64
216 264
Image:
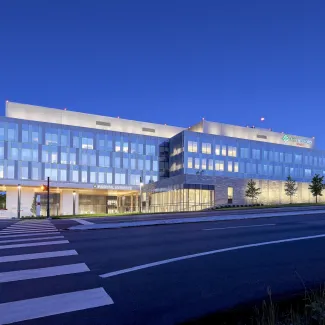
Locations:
299 141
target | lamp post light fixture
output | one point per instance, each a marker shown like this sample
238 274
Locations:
74 203
19 200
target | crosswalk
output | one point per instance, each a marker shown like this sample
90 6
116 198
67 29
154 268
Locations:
26 244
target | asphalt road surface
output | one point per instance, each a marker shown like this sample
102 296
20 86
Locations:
152 275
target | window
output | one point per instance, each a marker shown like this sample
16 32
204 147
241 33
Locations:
14 153
11 171
281 156
35 154
150 149
125 147
92 157
256 154
54 157
244 153
288 157
229 166
206 148
64 140
204 163
75 141
24 172
140 148
219 165
84 176
109 178
197 163
51 137
103 159
140 164
2 132
1 170
119 178
148 164
101 177
117 162
93 177
232 151
74 175
12 132
63 175
265 154
133 163
278 170
87 143
210 164
125 163
192 146
217 151
35 173
73 158
155 165
236 167
270 170
117 146
26 154
35 136
64 157
265 169
307 172
298 159
189 162
230 193
25 134
133 147
224 150
135 179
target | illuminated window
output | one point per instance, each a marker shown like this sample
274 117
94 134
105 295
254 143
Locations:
204 163
219 165
230 193
206 148
125 147
224 150
117 146
192 146
197 163
229 166
84 176
232 151
189 162
217 151
87 143
236 167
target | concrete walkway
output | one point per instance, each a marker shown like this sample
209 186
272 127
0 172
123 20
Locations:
192 220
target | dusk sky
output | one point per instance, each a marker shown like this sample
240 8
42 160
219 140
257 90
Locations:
170 62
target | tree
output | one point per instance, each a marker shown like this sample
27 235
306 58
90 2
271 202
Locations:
252 191
316 186
33 207
290 187
2 200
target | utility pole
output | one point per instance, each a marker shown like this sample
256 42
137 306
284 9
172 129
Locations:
48 198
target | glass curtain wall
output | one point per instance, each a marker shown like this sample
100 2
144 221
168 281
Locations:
189 198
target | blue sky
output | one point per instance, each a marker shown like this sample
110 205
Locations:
170 62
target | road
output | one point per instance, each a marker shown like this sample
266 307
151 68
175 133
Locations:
177 288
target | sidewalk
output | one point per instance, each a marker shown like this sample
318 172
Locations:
93 226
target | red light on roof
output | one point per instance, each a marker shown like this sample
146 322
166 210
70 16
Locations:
7 101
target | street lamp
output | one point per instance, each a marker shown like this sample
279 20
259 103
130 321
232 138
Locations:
74 203
19 199
141 184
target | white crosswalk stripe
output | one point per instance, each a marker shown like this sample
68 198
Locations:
29 236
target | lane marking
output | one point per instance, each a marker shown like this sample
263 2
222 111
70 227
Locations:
35 244
30 226
29 239
83 222
24 310
41 233
30 229
252 226
24 232
43 272
35 256
186 257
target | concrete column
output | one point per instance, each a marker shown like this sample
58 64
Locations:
66 202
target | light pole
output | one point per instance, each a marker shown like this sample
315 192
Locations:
141 184
48 198
19 199
74 203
